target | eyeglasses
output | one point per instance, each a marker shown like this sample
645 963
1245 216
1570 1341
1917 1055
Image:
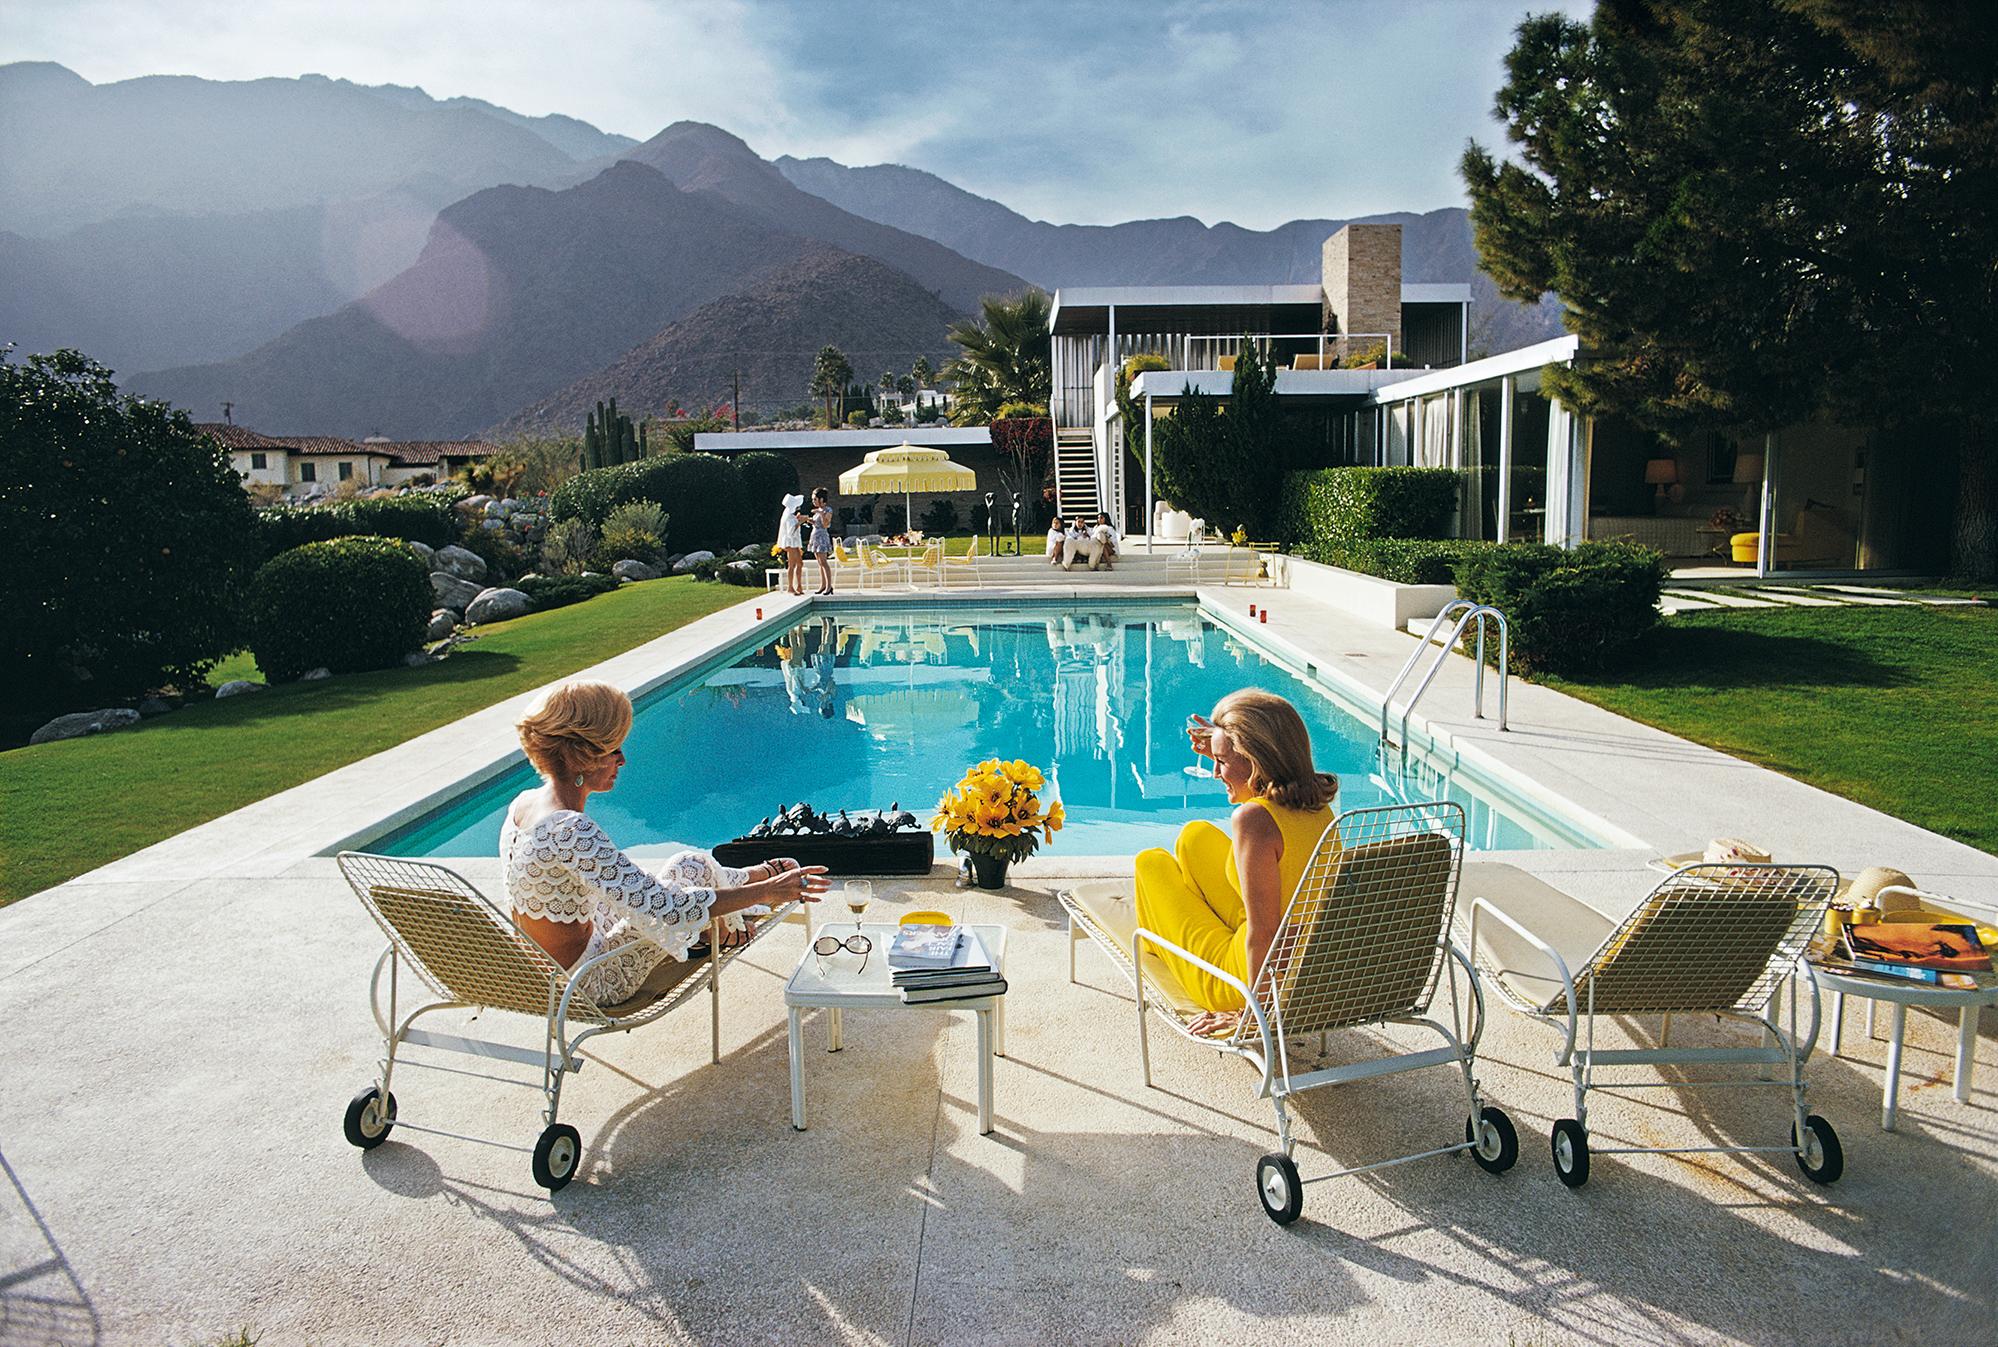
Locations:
828 945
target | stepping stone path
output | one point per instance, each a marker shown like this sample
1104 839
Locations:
1708 596
1681 601
1802 598
1860 593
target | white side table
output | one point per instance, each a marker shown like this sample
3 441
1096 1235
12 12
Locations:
1901 995
839 983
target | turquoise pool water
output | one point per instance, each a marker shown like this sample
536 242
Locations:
863 707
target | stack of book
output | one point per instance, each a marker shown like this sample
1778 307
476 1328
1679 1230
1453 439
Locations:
1944 954
941 963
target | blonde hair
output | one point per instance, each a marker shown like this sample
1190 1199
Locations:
574 727
1267 731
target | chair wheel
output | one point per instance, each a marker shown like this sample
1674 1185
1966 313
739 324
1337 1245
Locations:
1494 1143
1280 1189
1820 1156
368 1124
556 1155
1571 1153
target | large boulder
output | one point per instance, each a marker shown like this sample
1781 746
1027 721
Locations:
461 562
497 605
632 569
79 723
452 592
691 560
475 504
425 553
237 687
754 552
442 623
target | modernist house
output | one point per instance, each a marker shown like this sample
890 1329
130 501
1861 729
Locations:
302 465
1819 498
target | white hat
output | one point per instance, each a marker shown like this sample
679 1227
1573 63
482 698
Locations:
792 502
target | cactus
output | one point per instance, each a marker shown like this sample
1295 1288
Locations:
608 438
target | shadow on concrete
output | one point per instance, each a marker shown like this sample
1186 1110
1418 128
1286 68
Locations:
42 1302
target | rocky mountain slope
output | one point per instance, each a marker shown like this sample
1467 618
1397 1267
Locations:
519 291
767 333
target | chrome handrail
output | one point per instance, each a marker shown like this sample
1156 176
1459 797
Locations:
1466 612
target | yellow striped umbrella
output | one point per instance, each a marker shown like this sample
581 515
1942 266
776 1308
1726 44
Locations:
907 468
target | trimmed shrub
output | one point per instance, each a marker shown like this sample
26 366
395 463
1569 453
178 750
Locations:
423 518
762 480
703 487
566 547
940 517
348 604
1406 561
1578 611
1339 505
129 543
559 591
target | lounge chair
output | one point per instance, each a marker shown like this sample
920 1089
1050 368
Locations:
1363 941
470 954
845 565
877 566
1709 940
927 563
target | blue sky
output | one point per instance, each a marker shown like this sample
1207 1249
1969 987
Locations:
1256 111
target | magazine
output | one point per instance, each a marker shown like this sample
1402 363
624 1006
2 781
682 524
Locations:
923 947
1907 946
989 985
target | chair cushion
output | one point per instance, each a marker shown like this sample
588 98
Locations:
1111 908
666 976
1572 927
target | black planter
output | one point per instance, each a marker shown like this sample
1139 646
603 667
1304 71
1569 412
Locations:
989 872
906 853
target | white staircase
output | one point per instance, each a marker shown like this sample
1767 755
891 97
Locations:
1075 473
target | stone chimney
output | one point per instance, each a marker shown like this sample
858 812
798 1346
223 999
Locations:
1362 280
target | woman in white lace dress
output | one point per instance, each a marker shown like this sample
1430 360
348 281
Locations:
576 894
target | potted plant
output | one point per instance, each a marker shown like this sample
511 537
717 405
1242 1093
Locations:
994 815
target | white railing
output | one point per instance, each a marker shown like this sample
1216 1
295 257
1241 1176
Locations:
1206 352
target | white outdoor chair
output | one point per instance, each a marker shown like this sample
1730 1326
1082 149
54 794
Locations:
1363 941
966 565
877 568
1709 940
470 954
928 564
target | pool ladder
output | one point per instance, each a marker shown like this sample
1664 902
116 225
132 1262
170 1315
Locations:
1466 612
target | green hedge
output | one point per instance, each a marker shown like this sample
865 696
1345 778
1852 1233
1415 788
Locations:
422 518
1342 505
347 604
762 481
1406 561
702 492
559 591
1579 611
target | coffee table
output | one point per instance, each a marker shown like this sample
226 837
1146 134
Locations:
1901 995
840 983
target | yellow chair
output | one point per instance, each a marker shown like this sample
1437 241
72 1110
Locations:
878 566
928 562
968 564
1819 536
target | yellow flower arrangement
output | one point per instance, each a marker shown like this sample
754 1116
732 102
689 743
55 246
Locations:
996 811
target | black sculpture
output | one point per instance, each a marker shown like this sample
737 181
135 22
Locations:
801 820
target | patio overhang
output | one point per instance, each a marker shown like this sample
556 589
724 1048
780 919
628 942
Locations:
1167 385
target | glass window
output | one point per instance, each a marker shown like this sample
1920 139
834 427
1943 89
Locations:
1527 489
346 470
258 461
308 472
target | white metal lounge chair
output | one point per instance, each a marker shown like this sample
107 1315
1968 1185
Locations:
1363 941
1710 939
965 565
470 954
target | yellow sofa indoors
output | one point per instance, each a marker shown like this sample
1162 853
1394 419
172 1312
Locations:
1820 535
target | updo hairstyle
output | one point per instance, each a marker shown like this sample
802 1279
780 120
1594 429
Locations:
574 727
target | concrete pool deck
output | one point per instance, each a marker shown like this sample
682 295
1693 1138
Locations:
188 1022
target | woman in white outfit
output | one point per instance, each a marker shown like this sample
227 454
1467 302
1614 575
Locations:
791 538
575 894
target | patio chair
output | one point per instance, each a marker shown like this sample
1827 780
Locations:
1363 941
928 563
470 954
845 565
1709 940
878 567
966 565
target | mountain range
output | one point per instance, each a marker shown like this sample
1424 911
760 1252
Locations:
337 258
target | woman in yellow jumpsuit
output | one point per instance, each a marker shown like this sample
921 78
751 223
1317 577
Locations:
1221 897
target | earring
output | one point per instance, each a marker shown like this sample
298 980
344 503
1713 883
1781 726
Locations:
579 778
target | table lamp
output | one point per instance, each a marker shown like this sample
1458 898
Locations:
1662 473
1748 472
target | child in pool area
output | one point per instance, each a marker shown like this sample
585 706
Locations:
1057 538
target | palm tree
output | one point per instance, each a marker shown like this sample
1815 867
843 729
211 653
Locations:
921 371
831 372
1003 357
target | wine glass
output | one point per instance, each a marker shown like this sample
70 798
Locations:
858 894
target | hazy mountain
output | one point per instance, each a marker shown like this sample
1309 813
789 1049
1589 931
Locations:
78 152
768 334
519 291
573 136
1436 246
699 157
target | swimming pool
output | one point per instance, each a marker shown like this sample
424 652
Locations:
861 707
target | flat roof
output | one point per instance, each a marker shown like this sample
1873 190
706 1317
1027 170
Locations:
932 437
1170 383
1080 308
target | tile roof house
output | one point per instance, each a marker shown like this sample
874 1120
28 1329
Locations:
304 465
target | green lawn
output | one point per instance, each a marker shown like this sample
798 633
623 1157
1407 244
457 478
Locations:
69 807
1892 707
